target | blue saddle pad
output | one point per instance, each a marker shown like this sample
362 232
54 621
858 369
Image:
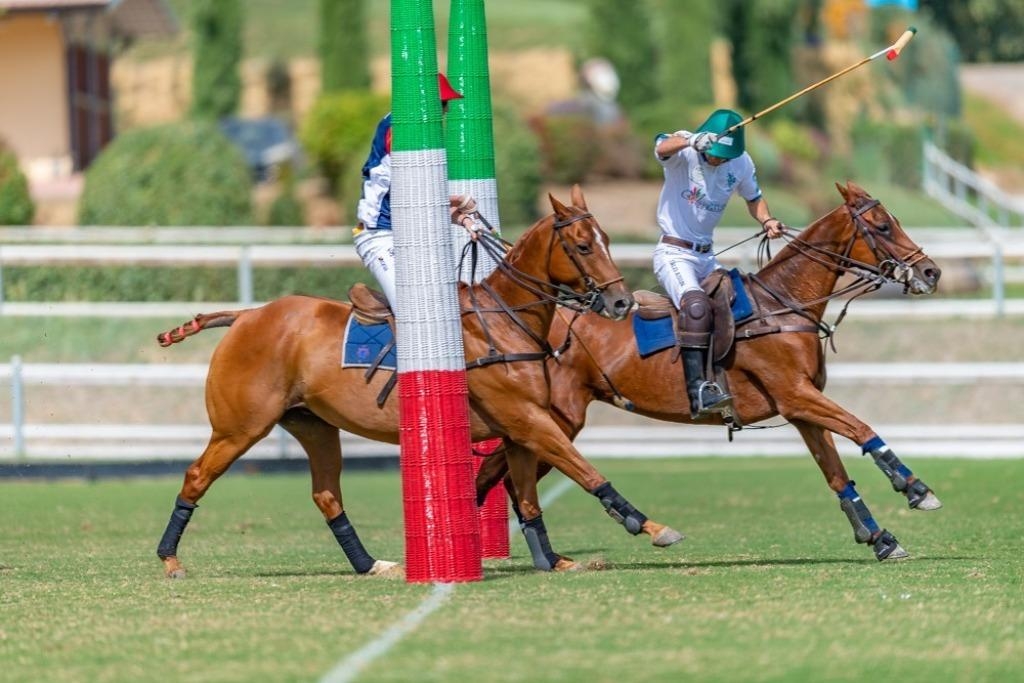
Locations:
363 343
653 335
741 306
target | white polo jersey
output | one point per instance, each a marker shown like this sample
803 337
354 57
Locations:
695 193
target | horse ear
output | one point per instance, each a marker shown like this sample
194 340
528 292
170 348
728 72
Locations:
843 191
558 206
577 197
856 189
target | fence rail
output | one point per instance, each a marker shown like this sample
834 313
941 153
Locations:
943 245
22 442
967 194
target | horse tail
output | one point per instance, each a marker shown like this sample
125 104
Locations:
198 324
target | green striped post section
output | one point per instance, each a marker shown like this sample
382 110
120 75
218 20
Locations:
469 138
442 531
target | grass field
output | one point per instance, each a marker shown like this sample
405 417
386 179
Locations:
768 586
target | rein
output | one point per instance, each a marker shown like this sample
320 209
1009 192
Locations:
869 278
498 249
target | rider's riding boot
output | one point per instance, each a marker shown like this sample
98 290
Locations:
705 397
696 323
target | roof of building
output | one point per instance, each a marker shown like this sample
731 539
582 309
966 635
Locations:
130 17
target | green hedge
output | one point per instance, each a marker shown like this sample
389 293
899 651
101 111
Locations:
154 284
179 174
16 207
199 284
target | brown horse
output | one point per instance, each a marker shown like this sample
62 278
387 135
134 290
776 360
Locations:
281 364
776 366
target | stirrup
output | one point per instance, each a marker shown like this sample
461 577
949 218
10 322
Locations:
722 404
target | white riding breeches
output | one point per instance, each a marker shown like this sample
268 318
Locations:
679 270
377 250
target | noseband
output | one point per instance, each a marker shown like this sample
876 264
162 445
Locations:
592 299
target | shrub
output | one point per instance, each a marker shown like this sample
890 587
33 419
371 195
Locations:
567 144
517 167
337 134
16 207
178 174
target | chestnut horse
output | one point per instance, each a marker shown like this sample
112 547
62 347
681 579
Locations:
776 366
281 364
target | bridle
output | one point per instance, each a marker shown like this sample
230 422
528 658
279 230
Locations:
547 292
890 268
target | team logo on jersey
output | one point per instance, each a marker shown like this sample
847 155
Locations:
730 180
694 195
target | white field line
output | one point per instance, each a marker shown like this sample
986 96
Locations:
351 666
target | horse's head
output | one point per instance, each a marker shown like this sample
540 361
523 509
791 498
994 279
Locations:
583 262
880 242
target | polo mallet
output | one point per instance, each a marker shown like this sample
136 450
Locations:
891 53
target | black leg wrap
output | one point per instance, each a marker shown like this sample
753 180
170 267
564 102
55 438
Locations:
891 466
884 544
175 528
536 534
857 512
620 509
349 541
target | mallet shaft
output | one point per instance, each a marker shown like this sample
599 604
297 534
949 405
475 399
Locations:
891 52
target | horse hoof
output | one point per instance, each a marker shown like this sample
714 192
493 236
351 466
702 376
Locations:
898 553
666 537
173 568
567 564
929 502
387 570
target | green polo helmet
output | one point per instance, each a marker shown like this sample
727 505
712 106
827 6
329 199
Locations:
730 146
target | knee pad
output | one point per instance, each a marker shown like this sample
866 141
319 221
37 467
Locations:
695 319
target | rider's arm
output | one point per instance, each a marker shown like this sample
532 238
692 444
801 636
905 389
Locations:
759 211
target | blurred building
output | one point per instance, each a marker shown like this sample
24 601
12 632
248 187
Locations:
56 104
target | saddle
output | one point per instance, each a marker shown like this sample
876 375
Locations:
368 305
721 292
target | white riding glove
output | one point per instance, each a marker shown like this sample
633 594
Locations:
701 142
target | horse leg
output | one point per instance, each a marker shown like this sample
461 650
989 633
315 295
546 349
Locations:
522 472
865 529
322 444
222 450
809 404
919 495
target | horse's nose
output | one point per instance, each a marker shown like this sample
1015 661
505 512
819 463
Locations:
932 275
621 306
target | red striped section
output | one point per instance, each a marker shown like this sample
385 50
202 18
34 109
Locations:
442 530
494 511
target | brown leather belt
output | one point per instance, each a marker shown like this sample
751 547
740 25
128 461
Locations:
676 242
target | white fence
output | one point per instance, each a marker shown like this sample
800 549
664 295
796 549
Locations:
967 194
946 246
22 442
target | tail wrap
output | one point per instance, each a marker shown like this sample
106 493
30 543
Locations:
201 322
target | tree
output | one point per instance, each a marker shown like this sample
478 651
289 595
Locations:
624 38
984 30
216 84
344 61
762 34
685 30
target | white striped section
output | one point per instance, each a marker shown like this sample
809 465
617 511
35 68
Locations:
485 192
427 310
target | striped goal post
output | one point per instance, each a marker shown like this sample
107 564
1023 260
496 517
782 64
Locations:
469 140
442 530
